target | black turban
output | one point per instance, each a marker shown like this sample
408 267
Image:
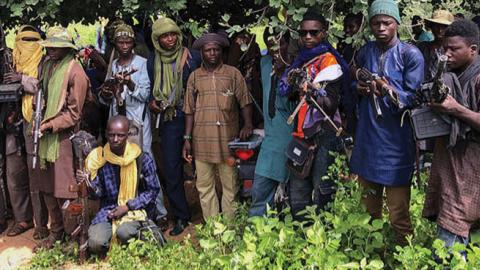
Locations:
221 40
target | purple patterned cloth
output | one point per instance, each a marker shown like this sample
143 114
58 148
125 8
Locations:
107 183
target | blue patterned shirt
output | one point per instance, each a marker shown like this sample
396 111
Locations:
107 183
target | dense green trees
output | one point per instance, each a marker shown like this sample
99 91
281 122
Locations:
239 12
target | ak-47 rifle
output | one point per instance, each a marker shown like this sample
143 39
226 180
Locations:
385 89
83 143
114 88
435 90
36 123
298 78
9 92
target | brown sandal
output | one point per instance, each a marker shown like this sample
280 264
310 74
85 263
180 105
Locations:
19 229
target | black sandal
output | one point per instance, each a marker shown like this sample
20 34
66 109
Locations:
19 229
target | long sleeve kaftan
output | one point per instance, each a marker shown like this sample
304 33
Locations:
384 150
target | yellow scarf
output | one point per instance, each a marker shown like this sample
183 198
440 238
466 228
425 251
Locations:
26 58
128 176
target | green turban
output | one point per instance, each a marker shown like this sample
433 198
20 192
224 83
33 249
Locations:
168 79
162 26
384 7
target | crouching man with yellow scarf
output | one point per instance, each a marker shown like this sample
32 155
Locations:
125 197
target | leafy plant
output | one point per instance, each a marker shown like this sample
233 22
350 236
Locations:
344 237
53 258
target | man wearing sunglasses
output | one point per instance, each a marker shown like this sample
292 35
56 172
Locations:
384 151
315 56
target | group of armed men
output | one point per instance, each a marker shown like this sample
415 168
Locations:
197 102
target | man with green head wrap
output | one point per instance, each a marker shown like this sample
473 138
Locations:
384 151
169 68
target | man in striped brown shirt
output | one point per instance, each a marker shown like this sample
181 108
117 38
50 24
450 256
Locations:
215 92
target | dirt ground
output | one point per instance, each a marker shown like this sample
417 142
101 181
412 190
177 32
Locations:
17 251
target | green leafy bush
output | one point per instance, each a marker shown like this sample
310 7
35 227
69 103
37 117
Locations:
345 237
53 258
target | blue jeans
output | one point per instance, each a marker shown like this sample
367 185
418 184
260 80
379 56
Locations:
263 191
314 190
171 133
450 239
100 235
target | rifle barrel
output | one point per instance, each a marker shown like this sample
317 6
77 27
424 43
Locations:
37 121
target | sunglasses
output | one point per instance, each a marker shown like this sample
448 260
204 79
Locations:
314 32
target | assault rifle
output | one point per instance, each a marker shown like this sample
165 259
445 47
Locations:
36 123
83 143
113 88
299 79
9 92
435 90
385 89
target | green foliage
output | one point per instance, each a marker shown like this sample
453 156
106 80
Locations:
53 258
280 15
345 237
37 12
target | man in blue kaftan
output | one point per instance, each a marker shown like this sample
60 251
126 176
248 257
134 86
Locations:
384 152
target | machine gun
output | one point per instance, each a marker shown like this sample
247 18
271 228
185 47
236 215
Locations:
367 77
114 88
426 122
83 143
435 90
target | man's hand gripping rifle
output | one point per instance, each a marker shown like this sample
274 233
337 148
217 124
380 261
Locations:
115 86
299 80
384 89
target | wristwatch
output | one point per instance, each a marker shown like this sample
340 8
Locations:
187 137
